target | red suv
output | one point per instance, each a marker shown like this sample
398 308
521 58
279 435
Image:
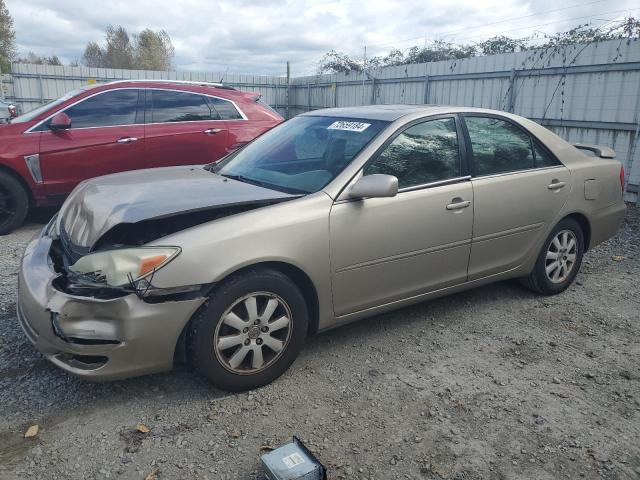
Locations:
123 125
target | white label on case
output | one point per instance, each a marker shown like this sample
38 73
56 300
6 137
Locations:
293 460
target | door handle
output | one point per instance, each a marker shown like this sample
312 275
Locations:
127 140
556 184
212 131
458 203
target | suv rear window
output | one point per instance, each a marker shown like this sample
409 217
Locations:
226 109
173 106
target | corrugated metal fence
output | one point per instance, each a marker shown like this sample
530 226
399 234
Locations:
585 93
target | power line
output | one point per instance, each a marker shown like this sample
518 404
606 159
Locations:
554 23
528 26
493 23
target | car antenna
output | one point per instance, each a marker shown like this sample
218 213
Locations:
224 74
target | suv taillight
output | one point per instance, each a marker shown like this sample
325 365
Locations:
13 111
622 177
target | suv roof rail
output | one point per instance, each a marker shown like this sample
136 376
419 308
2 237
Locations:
178 82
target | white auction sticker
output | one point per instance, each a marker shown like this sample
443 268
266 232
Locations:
293 460
349 126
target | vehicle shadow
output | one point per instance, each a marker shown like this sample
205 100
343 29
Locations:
40 390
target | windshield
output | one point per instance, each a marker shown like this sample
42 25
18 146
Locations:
30 115
301 155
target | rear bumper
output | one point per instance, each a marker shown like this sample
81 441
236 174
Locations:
606 222
93 338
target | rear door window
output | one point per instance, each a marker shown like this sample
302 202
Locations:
498 146
542 158
172 106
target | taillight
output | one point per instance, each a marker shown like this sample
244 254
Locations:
622 177
13 111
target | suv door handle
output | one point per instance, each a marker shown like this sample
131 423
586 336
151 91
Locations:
127 140
212 131
556 184
458 203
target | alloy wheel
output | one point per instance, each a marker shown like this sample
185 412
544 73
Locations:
253 333
561 256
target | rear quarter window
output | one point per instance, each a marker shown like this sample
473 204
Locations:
225 109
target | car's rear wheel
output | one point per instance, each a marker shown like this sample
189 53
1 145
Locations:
14 203
559 260
250 332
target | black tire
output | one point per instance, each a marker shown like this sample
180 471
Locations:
538 280
14 203
200 337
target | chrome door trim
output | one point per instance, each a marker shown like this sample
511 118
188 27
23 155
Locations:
515 172
439 183
244 117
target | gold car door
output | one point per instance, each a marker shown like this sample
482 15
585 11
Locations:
518 186
388 249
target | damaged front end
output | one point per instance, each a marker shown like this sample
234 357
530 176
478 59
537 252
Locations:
95 331
87 297
90 272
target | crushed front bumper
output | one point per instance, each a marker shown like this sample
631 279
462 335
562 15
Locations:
95 338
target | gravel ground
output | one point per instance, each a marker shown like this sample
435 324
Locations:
493 383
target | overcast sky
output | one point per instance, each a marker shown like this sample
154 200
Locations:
259 36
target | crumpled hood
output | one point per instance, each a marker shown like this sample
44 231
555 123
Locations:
97 205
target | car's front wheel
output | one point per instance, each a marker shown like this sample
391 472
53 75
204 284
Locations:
14 203
559 260
250 332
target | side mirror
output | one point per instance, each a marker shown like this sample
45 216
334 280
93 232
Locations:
375 186
60 121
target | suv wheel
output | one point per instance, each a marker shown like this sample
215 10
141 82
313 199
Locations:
250 332
559 261
14 203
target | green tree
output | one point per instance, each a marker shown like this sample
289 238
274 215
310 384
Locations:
337 62
148 50
93 55
119 52
38 60
153 50
7 38
502 44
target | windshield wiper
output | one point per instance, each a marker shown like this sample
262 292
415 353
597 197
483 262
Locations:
270 186
241 178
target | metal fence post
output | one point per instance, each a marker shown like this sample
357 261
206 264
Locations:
426 89
288 90
308 97
373 91
276 96
512 87
41 90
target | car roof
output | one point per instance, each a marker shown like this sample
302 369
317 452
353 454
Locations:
391 113
207 88
174 84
